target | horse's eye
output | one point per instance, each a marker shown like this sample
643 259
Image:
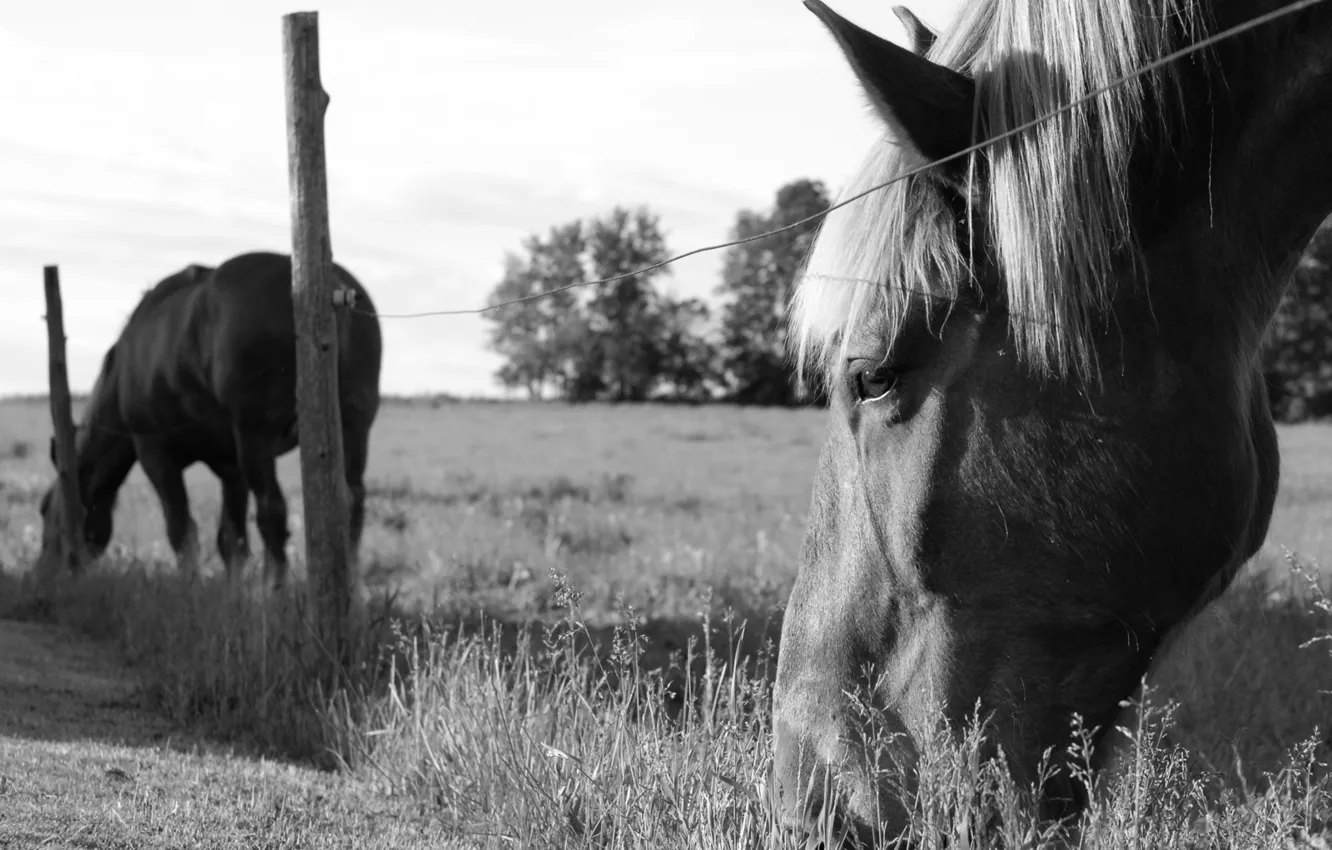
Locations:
874 382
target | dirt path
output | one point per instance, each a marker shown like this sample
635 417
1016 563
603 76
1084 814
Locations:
56 685
83 765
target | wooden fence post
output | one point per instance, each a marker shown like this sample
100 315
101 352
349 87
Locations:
323 482
62 419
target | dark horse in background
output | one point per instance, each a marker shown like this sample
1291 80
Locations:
205 371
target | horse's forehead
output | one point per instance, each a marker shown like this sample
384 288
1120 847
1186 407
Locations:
912 315
869 333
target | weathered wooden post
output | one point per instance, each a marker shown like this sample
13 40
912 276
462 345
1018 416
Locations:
62 419
323 482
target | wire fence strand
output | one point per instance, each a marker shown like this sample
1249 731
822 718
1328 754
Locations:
1231 32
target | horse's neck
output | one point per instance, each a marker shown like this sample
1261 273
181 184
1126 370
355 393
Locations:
107 453
1255 180
1281 173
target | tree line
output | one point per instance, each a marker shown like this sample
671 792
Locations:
1298 356
628 340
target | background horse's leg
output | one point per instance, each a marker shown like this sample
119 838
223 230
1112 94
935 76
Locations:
164 473
355 451
233 538
260 467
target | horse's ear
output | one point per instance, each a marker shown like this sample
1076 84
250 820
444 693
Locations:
922 36
925 105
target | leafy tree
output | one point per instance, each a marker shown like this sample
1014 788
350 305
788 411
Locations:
686 364
624 314
758 279
1298 359
619 341
535 336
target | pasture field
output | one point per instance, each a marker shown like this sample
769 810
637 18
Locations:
471 505
603 587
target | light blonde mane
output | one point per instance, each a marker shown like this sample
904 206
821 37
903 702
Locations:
1057 204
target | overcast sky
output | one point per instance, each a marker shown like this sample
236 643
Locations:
142 135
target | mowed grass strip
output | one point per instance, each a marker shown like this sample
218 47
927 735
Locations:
89 794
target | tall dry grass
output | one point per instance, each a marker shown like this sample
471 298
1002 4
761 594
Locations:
532 737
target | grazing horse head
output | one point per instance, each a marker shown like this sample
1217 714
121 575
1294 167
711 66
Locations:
104 450
1049 443
103 457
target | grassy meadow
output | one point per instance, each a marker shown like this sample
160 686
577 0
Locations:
577 616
